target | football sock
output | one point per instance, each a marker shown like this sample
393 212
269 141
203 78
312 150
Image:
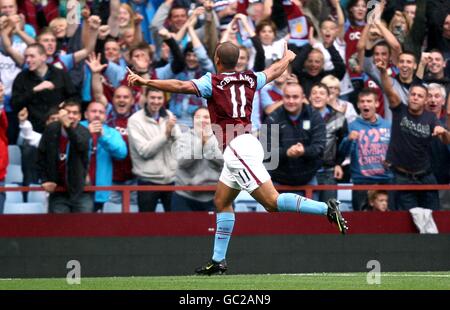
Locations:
289 202
224 228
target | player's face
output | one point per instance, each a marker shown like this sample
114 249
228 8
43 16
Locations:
293 98
435 101
367 105
381 53
417 99
266 35
314 63
202 121
34 59
48 41
74 114
437 63
112 51
95 112
328 32
122 100
242 61
380 203
191 60
155 101
178 17
406 65
319 97
8 7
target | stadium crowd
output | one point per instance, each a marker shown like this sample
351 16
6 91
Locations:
366 101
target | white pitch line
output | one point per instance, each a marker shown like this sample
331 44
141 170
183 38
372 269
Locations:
362 274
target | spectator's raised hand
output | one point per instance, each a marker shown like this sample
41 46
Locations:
138 18
103 32
17 22
311 39
292 78
64 119
198 11
94 22
165 34
6 26
425 58
94 63
23 115
240 16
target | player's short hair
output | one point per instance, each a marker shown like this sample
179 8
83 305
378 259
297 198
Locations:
368 92
39 47
71 103
228 54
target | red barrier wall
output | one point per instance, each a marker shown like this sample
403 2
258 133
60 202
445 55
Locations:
202 223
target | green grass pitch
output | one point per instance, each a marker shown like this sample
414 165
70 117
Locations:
313 281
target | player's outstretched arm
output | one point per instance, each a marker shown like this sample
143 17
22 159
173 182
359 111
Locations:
173 86
277 69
